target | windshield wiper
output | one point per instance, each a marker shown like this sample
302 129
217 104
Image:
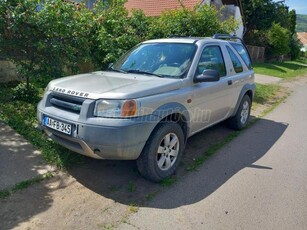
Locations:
116 70
143 72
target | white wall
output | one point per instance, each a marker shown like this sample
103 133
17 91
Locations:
236 14
239 32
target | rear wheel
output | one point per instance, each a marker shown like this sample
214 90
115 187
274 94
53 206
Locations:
162 152
240 120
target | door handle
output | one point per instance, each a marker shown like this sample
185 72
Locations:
230 82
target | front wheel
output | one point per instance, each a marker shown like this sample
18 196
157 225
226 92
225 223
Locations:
240 120
162 152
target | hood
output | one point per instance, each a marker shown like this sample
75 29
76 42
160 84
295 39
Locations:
112 85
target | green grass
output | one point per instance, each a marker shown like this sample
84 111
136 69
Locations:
168 181
264 93
288 69
150 196
131 187
24 184
133 208
108 227
21 116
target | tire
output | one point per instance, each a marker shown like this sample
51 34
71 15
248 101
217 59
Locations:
162 152
240 120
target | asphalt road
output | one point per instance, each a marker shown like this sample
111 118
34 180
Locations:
258 181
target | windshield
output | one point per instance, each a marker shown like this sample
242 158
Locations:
159 59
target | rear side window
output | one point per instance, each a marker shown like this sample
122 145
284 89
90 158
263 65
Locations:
212 58
237 65
243 53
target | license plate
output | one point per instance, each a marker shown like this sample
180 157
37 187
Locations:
57 125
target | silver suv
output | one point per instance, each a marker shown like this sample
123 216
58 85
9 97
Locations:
146 105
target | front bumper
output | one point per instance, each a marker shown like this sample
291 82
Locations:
100 138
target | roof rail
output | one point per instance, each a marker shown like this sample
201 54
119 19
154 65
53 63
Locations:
227 36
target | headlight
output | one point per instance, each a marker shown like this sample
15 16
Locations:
116 108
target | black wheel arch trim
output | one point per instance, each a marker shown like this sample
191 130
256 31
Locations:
245 90
169 109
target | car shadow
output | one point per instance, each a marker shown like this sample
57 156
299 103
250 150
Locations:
120 180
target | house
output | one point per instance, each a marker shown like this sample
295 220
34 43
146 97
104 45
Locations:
156 7
302 36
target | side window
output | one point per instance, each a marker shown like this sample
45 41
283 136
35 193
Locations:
243 53
237 65
212 58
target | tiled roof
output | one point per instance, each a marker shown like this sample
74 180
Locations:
302 36
156 7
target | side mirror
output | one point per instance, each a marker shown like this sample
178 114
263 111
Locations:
208 75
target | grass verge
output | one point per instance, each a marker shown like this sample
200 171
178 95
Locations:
25 184
21 116
266 93
288 69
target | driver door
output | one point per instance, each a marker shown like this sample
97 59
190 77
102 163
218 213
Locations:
210 101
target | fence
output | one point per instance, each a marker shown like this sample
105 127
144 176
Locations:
8 71
257 53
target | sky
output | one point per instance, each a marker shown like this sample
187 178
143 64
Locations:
299 5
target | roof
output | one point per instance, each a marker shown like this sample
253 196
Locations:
302 36
154 8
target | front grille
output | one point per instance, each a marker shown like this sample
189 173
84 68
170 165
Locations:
67 103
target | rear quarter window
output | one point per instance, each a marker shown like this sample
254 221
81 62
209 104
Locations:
235 61
243 53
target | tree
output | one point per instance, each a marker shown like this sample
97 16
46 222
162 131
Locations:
278 38
267 18
292 22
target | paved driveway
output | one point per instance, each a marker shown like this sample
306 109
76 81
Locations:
258 181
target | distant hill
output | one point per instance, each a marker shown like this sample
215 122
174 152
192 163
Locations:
301 23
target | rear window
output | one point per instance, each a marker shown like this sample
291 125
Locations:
243 53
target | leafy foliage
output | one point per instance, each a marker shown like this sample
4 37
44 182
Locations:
261 18
52 38
278 38
261 14
42 39
200 21
117 32
25 92
21 116
295 47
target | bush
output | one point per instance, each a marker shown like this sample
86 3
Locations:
278 39
45 39
25 92
116 33
51 38
295 47
198 22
